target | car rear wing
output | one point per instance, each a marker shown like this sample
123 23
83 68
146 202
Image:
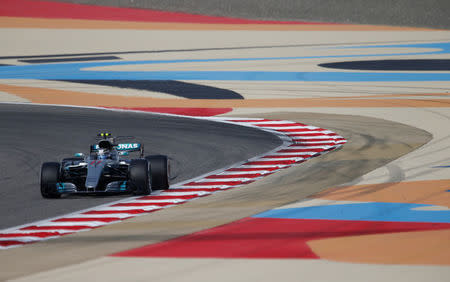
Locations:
123 147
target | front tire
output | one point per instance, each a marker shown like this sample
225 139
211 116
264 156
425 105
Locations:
139 177
50 175
160 168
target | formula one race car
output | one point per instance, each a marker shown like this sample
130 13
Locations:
106 171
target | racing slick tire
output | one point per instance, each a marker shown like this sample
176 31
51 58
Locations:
159 171
50 174
139 177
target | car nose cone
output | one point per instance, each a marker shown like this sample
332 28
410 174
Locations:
94 173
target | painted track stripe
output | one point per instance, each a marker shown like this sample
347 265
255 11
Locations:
23 239
133 204
263 166
308 134
285 127
247 169
283 156
315 140
60 224
281 124
287 162
301 129
31 234
312 151
267 122
208 183
308 147
134 211
231 179
294 154
87 219
121 215
325 145
234 176
193 190
318 138
166 197
196 194
73 227
197 191
300 142
302 156
169 201
312 138
237 119
147 209
10 243
262 172
200 187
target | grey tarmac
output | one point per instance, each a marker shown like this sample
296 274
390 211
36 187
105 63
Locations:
371 143
32 134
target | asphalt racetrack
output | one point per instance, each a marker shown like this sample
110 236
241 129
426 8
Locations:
429 13
31 135
377 209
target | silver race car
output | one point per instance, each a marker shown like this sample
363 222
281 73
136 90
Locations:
106 170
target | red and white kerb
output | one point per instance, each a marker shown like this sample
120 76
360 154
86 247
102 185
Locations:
300 143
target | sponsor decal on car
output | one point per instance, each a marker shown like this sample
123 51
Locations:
121 147
128 146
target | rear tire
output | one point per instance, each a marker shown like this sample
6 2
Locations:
50 175
139 177
159 171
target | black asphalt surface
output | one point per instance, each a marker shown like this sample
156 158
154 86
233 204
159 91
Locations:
31 135
416 13
393 65
172 87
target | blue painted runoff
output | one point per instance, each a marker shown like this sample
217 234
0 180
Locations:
75 74
394 212
84 71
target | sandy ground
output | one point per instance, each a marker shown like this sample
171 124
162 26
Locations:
382 132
